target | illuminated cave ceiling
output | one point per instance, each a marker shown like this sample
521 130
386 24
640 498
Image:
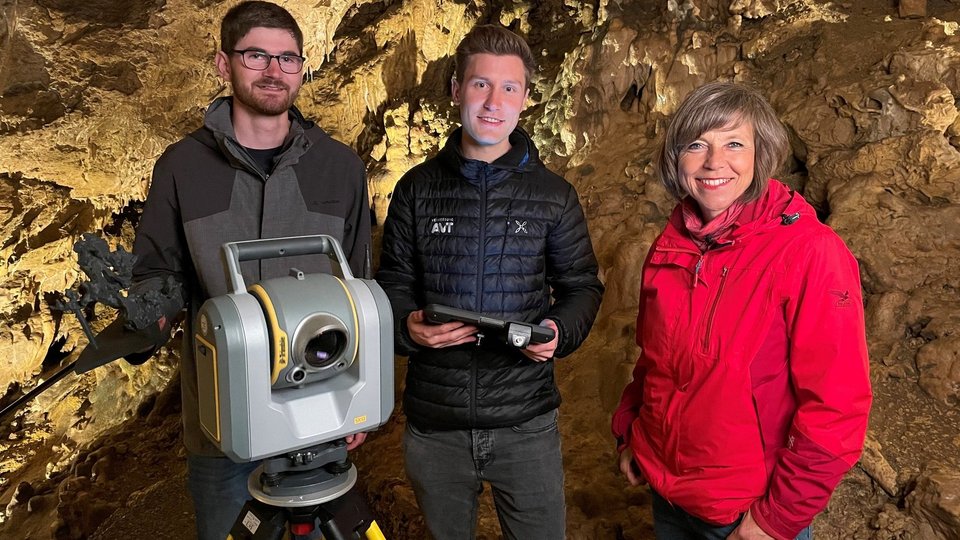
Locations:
91 92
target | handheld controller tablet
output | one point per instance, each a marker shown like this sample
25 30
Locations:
519 334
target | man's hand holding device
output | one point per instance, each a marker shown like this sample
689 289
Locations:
443 326
541 352
437 336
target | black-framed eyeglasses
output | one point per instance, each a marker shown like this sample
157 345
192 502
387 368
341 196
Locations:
258 60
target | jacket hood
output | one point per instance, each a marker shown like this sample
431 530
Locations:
218 123
218 133
522 157
777 206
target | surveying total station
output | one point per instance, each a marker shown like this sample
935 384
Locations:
287 368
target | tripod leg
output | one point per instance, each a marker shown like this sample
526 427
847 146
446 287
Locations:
374 532
258 521
348 517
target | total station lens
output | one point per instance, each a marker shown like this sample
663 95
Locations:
323 349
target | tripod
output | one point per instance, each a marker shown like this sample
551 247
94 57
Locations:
303 491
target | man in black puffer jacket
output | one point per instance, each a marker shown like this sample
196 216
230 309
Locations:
484 226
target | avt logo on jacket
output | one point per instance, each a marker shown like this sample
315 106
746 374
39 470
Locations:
441 225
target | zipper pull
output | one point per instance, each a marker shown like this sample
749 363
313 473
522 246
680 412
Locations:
696 271
789 219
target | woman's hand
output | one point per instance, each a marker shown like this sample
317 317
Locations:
748 530
630 469
437 336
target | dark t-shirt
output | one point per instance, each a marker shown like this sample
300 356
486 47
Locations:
264 158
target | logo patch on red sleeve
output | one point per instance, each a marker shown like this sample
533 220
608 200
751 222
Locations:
843 297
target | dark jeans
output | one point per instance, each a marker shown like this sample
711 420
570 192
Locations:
218 487
673 523
522 463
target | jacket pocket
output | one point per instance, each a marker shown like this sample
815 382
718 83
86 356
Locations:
716 420
771 390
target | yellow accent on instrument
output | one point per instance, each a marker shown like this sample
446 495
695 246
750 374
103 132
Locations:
280 345
356 318
216 382
360 419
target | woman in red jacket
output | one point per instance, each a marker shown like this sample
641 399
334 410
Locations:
750 398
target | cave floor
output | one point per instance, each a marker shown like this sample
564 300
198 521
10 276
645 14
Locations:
141 489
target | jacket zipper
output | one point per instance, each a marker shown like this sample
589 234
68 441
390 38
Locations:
480 258
481 235
253 169
250 163
696 271
713 309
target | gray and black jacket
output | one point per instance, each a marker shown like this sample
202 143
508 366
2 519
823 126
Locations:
498 238
207 190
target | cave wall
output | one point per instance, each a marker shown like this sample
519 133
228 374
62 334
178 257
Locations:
91 92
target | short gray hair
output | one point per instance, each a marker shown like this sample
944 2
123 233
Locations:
713 106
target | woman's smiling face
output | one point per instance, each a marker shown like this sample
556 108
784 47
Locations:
717 168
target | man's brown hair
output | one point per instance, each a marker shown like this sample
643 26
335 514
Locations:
495 40
246 16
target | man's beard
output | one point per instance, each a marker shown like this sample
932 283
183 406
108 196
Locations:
266 105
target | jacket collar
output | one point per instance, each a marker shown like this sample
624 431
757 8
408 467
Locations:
522 157
218 119
778 206
218 133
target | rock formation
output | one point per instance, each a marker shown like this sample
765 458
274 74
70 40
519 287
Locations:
91 92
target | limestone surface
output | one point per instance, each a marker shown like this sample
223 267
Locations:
92 92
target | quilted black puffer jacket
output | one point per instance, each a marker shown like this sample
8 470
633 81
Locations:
497 238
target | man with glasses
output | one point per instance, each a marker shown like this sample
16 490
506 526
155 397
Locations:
256 169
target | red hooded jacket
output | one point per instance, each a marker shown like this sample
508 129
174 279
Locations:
752 389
